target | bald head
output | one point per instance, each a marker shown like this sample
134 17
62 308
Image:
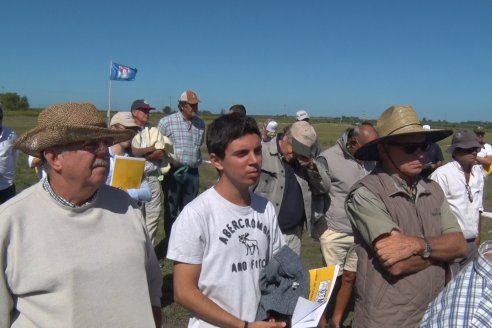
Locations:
361 135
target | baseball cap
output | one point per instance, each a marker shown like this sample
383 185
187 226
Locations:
303 138
141 104
272 127
123 118
301 115
190 97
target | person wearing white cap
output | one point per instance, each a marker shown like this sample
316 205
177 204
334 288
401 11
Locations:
186 131
302 115
124 121
268 130
290 176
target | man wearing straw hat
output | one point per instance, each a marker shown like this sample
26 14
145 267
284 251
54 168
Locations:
75 252
404 229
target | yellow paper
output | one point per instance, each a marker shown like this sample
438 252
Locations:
321 283
127 172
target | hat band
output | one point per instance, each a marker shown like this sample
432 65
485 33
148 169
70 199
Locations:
402 127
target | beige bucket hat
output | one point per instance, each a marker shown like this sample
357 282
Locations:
68 123
398 120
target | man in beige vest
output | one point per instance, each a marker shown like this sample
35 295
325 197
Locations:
404 230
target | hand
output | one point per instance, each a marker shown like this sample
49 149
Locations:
306 162
156 155
267 324
397 247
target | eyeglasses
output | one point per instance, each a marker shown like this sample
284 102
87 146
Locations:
469 192
409 148
94 146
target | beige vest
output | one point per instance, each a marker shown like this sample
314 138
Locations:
383 300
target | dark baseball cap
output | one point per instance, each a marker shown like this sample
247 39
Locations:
141 104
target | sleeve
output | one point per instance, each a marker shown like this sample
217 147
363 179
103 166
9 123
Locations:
6 301
186 243
319 180
154 275
449 223
368 214
162 127
136 140
278 239
143 194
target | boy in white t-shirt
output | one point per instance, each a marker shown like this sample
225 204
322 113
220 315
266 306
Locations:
225 236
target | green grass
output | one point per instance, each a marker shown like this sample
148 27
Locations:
174 315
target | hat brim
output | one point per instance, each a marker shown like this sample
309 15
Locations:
36 140
464 145
300 149
369 152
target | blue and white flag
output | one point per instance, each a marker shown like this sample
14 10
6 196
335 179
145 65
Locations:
122 73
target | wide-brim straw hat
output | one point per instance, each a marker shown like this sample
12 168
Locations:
395 121
68 123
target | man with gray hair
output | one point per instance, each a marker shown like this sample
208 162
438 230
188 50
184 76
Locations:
290 176
75 252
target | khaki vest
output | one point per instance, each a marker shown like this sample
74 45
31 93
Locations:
383 300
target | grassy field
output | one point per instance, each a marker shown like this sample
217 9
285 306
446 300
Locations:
175 315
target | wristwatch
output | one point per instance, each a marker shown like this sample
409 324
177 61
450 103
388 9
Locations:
427 250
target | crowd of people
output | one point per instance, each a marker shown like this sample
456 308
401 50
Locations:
403 225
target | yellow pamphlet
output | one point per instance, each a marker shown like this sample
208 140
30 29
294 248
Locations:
307 313
127 172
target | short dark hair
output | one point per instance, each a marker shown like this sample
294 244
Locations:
238 108
227 128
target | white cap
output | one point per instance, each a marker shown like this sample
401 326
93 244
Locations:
301 115
427 127
272 127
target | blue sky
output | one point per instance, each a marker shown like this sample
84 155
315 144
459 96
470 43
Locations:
331 58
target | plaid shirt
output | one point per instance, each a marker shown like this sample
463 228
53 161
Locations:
467 300
187 137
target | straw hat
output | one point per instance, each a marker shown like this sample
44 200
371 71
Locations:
68 123
398 120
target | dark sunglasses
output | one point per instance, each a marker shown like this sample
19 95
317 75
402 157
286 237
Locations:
468 150
410 148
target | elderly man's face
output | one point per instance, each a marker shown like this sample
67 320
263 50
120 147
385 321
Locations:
404 154
286 149
84 165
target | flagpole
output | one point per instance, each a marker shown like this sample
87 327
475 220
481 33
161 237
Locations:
109 102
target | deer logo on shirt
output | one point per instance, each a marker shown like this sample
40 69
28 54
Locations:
251 245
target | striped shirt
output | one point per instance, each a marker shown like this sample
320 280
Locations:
187 137
467 300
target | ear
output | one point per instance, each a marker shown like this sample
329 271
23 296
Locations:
216 162
53 159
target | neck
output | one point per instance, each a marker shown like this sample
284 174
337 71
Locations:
236 195
75 194
466 167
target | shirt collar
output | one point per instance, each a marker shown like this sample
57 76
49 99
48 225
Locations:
59 199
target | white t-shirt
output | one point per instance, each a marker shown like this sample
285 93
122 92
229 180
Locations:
232 244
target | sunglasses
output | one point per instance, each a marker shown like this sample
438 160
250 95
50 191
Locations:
469 192
410 148
468 150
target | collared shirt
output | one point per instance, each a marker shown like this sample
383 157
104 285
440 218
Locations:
373 219
187 137
8 157
467 300
485 151
59 199
451 178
